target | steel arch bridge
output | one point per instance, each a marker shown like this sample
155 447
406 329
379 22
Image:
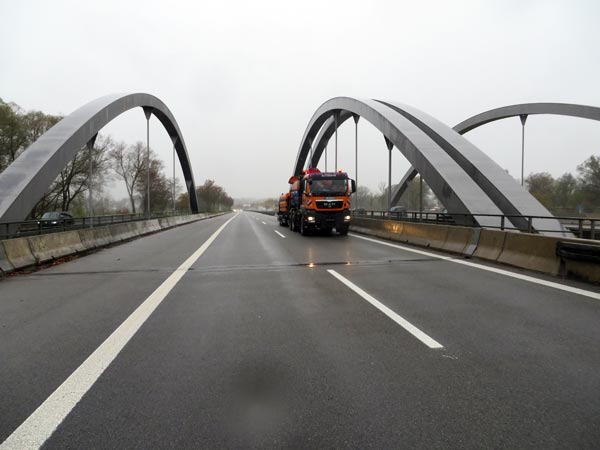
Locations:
520 110
464 178
24 181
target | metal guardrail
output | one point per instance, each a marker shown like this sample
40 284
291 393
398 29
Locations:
10 230
582 227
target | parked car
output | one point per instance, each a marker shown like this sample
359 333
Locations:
56 219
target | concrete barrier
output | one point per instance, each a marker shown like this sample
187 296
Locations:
491 243
527 251
530 251
425 235
47 247
19 253
588 271
122 231
386 229
23 252
141 227
92 238
153 225
5 265
458 239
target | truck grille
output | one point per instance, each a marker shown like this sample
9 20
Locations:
329 204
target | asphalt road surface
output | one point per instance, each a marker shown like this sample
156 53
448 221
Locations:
234 333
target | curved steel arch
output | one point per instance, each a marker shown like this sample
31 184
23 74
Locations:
24 182
512 198
505 193
559 109
445 177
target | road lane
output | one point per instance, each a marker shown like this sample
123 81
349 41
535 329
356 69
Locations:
275 357
256 349
51 320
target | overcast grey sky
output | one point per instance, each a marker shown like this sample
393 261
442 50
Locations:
243 78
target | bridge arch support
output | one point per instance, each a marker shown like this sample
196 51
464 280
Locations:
461 176
505 112
24 182
557 109
445 177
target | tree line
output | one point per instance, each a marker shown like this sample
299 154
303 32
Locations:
569 194
110 161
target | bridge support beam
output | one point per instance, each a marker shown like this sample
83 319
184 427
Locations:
90 147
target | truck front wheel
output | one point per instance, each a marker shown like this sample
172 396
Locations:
303 227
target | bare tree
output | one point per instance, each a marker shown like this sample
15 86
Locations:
174 190
74 179
129 163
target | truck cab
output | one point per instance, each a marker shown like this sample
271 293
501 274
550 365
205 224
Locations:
320 201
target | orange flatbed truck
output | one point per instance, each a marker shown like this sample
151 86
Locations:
319 201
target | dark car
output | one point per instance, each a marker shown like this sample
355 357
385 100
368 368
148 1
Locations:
56 219
397 212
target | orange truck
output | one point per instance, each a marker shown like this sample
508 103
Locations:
317 201
283 212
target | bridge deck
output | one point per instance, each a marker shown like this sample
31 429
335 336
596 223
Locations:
253 348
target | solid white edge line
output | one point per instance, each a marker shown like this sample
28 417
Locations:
279 233
424 338
530 279
40 425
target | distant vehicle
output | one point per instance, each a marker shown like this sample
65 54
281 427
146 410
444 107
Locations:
56 219
397 212
359 211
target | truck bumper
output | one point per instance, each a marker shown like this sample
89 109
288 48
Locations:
327 220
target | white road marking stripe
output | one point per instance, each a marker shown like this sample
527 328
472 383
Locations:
40 425
424 338
551 284
279 234
264 223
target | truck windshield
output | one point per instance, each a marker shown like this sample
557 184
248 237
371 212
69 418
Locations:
328 187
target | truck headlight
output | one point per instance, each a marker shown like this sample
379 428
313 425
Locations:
310 218
346 218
